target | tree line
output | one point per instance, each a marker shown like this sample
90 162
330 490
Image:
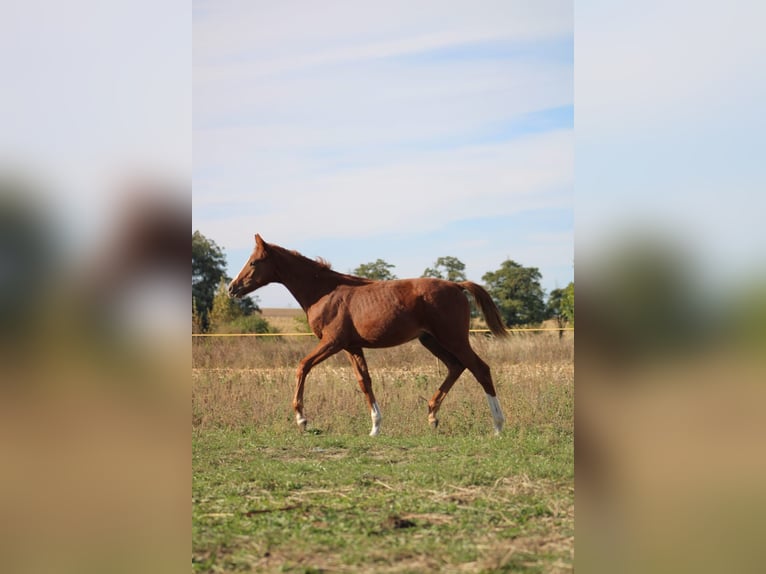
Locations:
515 289
213 311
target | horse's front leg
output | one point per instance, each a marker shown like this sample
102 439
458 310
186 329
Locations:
321 352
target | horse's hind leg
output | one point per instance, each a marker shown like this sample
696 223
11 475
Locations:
481 371
454 369
365 383
460 349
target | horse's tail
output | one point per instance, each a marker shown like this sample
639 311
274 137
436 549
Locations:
487 306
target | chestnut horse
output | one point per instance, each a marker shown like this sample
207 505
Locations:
349 313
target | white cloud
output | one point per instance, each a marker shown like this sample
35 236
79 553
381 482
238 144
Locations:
287 35
426 192
279 143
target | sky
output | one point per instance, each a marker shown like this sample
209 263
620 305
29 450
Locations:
402 131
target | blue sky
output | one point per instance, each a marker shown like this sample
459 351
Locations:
403 131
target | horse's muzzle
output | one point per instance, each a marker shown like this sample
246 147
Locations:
234 291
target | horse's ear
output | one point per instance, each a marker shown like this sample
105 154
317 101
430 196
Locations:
260 244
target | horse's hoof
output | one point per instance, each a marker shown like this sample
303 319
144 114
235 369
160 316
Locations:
302 424
434 423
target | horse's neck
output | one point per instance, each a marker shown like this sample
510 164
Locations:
308 282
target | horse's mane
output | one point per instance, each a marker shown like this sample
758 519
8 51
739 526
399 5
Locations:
320 261
324 265
323 262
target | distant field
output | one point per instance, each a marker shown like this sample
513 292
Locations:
277 312
283 319
268 498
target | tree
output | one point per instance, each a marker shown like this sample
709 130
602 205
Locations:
568 303
248 304
517 292
379 270
224 311
196 320
561 307
208 269
227 316
254 323
449 268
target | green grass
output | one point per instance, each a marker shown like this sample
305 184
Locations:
268 498
314 503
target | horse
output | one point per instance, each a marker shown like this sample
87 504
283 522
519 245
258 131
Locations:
350 313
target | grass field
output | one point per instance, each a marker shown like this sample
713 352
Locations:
267 498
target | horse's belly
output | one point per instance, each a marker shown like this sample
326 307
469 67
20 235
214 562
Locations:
388 339
387 331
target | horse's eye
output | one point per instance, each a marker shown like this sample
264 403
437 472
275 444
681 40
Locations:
252 264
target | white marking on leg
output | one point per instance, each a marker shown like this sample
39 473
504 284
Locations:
376 418
497 413
300 419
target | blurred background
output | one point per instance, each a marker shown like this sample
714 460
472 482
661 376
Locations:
95 210
671 274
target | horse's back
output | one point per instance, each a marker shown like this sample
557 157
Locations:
407 295
388 313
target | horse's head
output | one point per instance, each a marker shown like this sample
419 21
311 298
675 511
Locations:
257 272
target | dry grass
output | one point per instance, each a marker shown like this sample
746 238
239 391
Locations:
250 381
